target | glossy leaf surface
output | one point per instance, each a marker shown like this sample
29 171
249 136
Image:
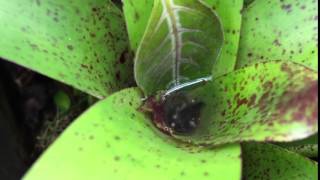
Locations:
182 41
273 101
113 140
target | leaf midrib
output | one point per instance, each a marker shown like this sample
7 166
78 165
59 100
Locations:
173 23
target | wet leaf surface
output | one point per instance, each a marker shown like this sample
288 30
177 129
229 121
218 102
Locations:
266 161
78 42
274 30
181 43
114 140
273 101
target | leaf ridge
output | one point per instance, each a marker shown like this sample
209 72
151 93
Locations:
174 26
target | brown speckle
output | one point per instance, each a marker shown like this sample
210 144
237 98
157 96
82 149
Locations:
117 138
277 42
56 19
287 7
70 47
91 137
116 158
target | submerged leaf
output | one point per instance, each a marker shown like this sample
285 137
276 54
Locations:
266 161
80 43
273 101
229 12
115 141
182 41
274 30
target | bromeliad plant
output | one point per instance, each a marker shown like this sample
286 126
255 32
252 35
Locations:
261 55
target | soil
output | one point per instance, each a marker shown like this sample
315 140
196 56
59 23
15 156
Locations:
36 119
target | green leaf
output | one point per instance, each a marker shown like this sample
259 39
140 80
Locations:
113 140
266 161
181 42
137 16
307 147
286 30
308 150
273 101
310 140
230 14
77 42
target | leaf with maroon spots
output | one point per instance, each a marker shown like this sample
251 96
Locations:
266 161
272 101
274 30
230 15
121 143
80 43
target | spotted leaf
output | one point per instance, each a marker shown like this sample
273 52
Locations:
273 101
80 43
307 147
120 143
266 161
274 30
137 16
230 14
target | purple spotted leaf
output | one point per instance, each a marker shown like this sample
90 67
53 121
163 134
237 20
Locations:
81 43
272 101
267 161
274 30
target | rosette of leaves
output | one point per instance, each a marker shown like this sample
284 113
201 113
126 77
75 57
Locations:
262 56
